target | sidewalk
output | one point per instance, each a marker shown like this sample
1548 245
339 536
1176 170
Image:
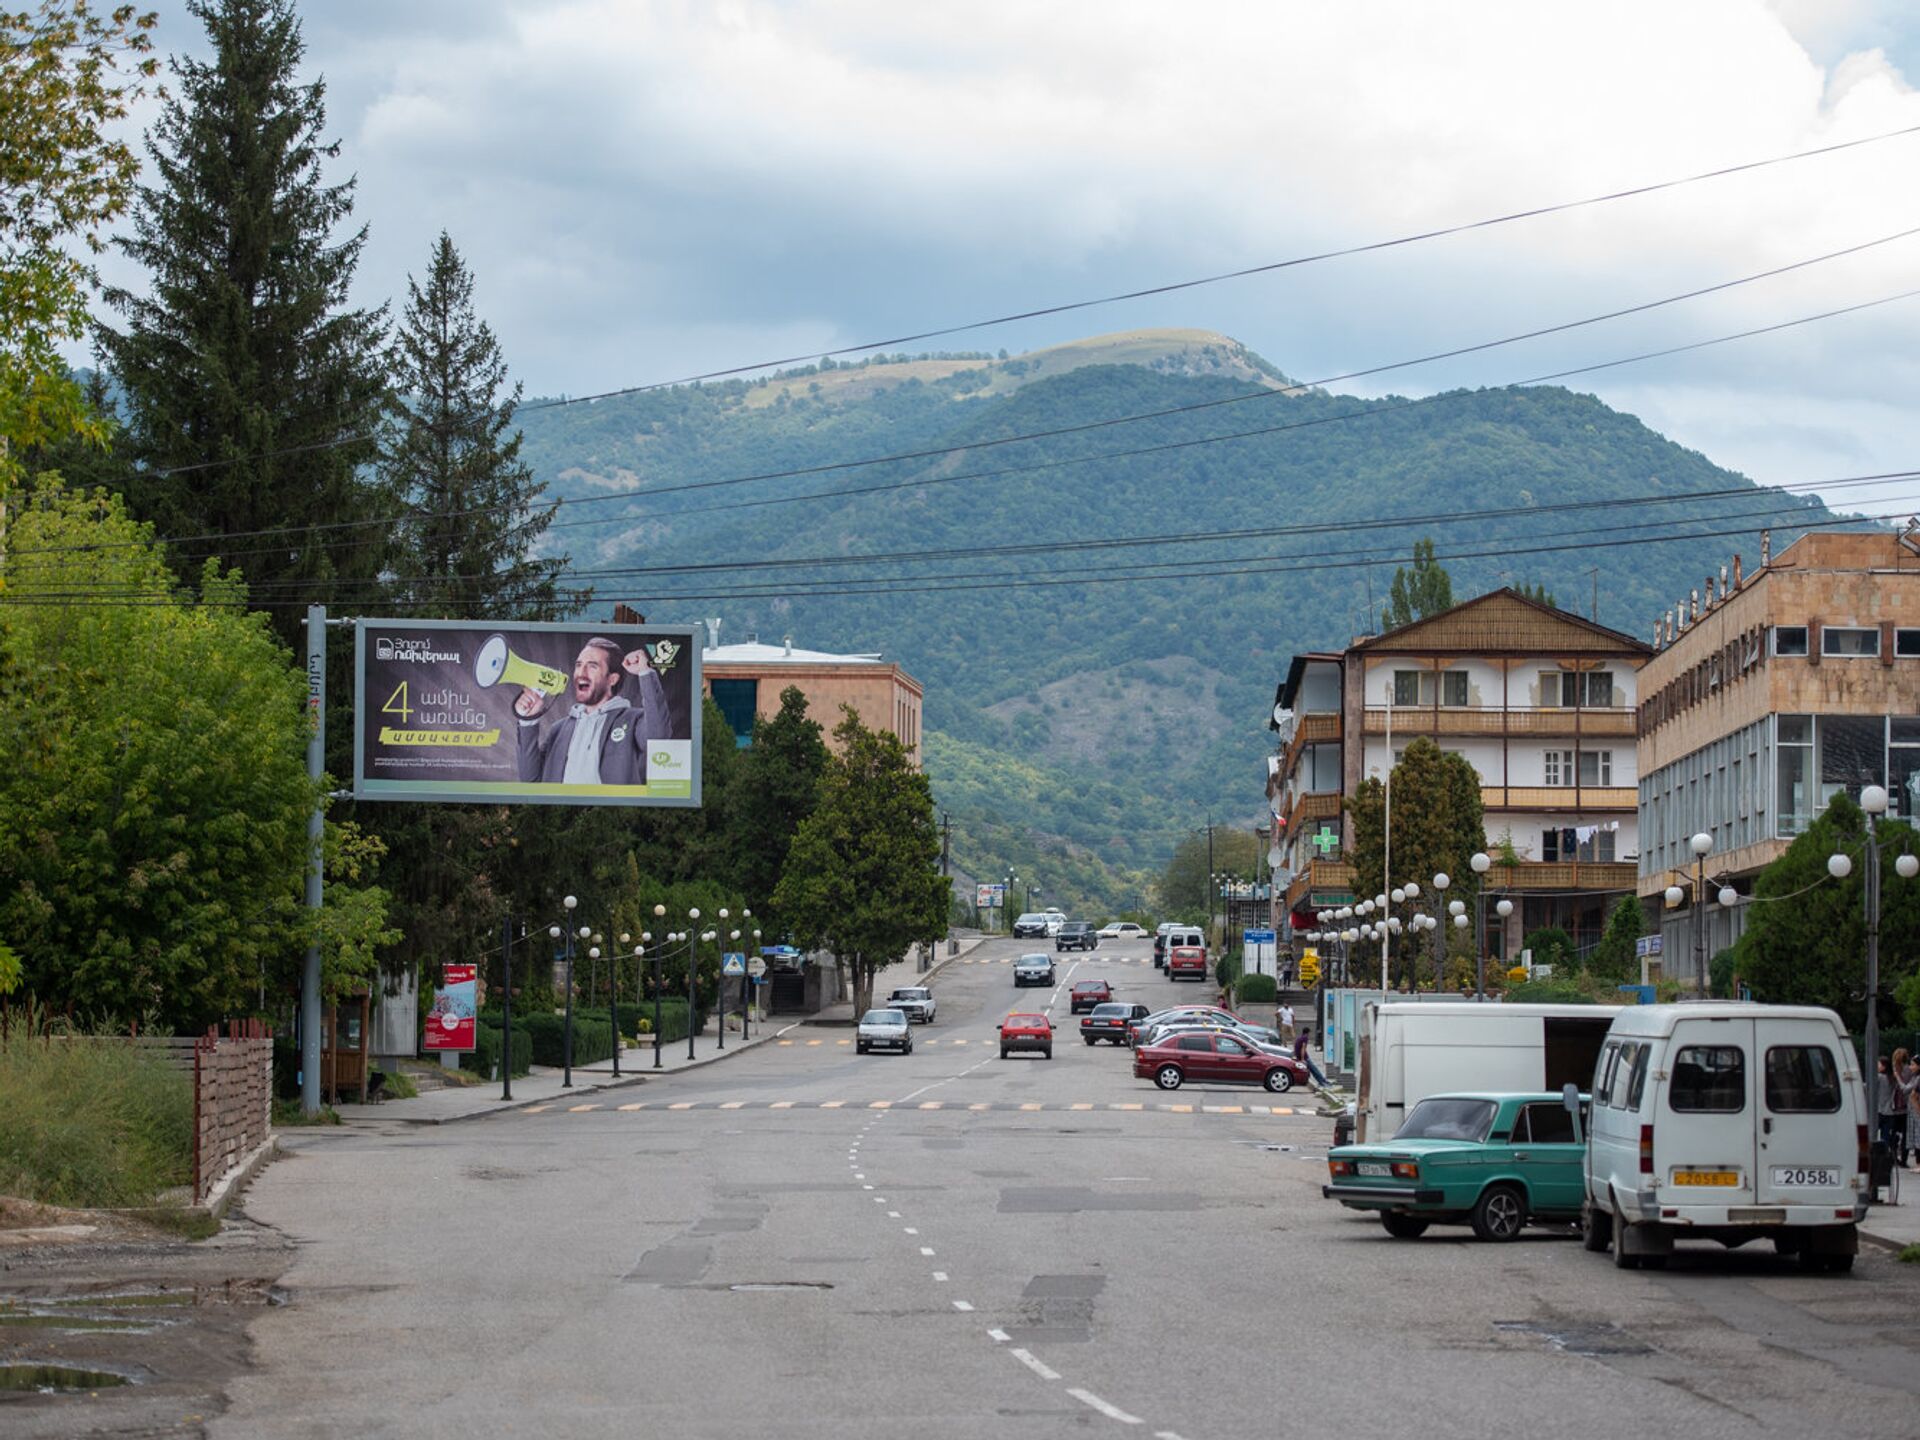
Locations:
1895 1226
543 1085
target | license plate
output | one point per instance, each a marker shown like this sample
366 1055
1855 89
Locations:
1824 1176
1369 1168
1706 1177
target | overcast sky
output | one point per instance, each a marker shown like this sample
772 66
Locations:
648 190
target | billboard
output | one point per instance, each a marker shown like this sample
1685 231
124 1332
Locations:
569 714
451 1022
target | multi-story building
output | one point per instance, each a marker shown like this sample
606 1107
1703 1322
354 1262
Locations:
746 680
1767 696
1538 700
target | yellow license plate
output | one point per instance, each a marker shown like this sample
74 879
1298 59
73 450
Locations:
1706 1177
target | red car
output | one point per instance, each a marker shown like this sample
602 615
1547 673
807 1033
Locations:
1026 1032
1088 993
1186 960
1214 1058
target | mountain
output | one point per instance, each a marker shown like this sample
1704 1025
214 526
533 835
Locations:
1100 615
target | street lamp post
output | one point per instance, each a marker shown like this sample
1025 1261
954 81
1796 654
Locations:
693 965
720 995
1480 863
613 995
566 1038
1702 845
1442 882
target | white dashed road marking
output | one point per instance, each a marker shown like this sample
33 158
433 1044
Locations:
1026 1358
1111 1411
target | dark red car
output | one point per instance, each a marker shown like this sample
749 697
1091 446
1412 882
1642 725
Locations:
1186 960
1026 1032
1088 993
1215 1058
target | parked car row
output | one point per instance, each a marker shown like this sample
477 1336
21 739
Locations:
1721 1121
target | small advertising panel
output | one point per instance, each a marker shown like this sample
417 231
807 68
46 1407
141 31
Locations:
570 714
450 1023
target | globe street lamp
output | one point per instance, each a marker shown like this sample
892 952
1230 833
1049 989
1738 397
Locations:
693 964
566 1043
1702 845
1873 802
1480 863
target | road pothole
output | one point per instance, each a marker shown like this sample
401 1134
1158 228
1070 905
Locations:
1574 1338
56 1379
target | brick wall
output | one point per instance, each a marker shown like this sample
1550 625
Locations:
232 1099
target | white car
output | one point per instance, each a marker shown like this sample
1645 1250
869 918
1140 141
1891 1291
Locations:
916 1000
884 1030
1055 919
1121 930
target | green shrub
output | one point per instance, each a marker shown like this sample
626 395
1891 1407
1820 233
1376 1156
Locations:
592 1036
1256 990
1550 992
91 1122
1226 970
484 1059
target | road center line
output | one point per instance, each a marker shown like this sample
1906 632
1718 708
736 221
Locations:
1026 1358
1112 1412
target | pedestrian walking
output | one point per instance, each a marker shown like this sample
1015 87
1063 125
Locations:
1285 1021
1906 1081
1890 1110
1301 1053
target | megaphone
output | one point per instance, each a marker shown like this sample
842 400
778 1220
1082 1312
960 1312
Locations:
496 663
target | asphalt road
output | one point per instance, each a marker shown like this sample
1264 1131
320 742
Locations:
798 1243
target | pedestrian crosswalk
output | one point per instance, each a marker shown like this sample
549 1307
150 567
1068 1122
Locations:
1017 1106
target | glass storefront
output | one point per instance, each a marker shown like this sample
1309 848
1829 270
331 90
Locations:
1820 756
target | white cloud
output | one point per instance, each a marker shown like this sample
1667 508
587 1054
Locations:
651 189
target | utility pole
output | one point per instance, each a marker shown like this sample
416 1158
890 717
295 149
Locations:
316 830
946 842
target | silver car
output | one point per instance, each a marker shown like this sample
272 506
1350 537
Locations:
1033 970
884 1030
916 1000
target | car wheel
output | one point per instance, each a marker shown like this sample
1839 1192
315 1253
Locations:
1091 1040
1596 1228
1279 1080
1403 1227
907 1049
1168 1077
1047 1053
859 1047
1500 1213
1003 1052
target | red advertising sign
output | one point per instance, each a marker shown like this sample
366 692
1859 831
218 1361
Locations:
450 1024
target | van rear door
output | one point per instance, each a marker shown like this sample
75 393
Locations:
1808 1145
1705 1127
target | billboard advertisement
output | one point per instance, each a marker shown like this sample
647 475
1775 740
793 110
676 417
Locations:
451 1021
569 714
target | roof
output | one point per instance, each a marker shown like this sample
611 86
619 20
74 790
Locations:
1504 621
1660 1019
1297 671
756 653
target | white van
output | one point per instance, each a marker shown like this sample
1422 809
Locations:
1727 1121
1411 1049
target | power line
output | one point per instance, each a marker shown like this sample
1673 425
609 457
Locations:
1367 410
1511 217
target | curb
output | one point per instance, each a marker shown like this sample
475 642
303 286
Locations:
229 1186
625 1082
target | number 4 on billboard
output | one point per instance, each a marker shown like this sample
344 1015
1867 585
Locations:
397 704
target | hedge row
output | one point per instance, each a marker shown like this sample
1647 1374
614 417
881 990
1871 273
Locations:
1255 990
484 1058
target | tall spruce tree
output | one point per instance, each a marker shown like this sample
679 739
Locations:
252 390
1417 592
471 513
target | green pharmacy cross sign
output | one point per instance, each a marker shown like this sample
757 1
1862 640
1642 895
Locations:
1326 842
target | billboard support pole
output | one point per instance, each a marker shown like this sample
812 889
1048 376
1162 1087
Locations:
506 1008
316 829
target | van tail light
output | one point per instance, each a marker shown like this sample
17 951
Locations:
1863 1138
1646 1149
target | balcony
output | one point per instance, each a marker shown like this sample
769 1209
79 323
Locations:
1323 878
1587 799
1314 805
1318 728
1564 875
1489 720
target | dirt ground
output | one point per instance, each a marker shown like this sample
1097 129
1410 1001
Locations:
102 1293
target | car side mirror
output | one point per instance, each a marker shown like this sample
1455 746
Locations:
1570 1097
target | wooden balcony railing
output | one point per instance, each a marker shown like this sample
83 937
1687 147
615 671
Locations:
1588 799
1326 877
1314 805
1563 875
1412 720
1317 728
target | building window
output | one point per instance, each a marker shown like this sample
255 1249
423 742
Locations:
1568 688
1594 767
1585 843
1793 783
1849 643
1559 764
1906 642
739 702
1453 687
1789 639
1420 687
1406 687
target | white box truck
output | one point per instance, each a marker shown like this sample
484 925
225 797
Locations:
1409 1051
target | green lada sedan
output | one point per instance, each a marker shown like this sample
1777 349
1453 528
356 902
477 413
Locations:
1494 1162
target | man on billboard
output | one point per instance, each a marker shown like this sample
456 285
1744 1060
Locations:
619 709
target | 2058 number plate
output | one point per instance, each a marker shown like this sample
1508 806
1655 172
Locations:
1822 1176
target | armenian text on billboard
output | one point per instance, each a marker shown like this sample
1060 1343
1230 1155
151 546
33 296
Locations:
567 714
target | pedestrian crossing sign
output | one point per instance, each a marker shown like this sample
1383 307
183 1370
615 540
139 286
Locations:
733 963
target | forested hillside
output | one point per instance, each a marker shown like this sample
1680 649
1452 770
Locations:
1100 616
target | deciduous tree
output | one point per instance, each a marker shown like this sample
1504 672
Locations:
862 876
68 72
776 790
1418 591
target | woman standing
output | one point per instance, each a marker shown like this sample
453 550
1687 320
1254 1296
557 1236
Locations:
1890 1109
1906 1080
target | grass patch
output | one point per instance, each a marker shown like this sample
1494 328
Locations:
400 1086
1910 1255
286 1113
90 1122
